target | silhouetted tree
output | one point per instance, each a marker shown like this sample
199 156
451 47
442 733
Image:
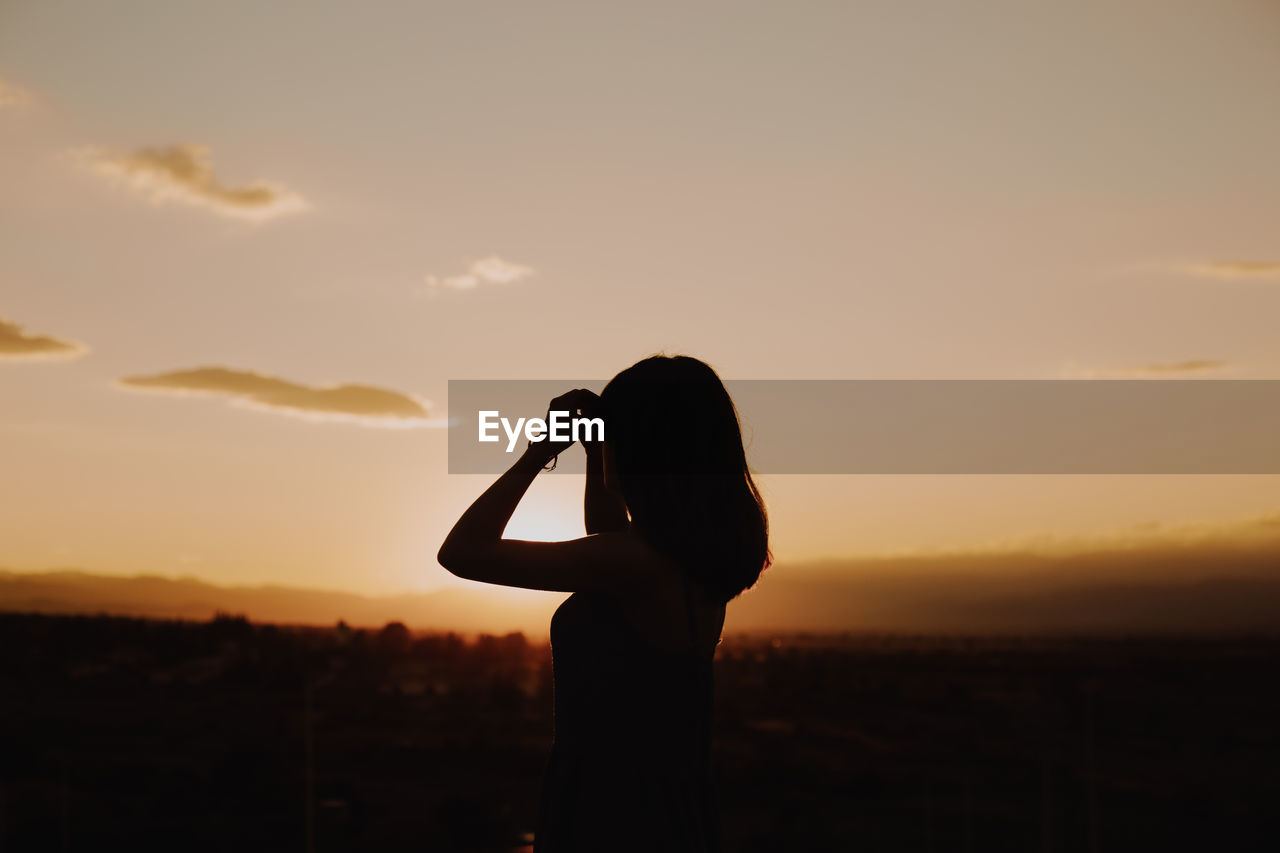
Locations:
394 639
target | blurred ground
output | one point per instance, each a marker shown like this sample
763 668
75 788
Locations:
224 735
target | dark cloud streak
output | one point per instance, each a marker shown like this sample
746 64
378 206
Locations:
361 403
17 344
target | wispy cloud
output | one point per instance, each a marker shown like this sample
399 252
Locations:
184 174
16 344
1165 370
12 95
363 404
1234 269
490 270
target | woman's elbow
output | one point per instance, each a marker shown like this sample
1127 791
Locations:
449 557
460 561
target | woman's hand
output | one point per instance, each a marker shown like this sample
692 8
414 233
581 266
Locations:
579 403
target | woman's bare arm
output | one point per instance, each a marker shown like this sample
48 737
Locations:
475 549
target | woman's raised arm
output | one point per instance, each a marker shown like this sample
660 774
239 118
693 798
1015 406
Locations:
476 550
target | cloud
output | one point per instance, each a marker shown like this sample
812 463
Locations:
1234 270
184 174
1170 370
17 344
13 96
363 404
490 270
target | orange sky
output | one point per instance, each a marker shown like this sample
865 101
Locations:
238 242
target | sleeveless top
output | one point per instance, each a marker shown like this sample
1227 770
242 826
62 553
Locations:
630 767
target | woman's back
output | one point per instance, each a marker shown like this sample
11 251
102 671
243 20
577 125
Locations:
630 768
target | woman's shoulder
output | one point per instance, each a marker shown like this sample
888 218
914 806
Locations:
657 599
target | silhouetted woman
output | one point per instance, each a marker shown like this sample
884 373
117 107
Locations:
676 528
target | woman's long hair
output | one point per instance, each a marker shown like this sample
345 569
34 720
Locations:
677 450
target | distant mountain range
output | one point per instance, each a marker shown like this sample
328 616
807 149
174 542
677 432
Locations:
71 591
1206 586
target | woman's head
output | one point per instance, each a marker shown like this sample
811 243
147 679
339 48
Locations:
676 447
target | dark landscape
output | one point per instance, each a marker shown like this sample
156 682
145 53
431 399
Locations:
125 733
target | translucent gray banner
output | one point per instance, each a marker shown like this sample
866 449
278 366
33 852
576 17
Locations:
939 426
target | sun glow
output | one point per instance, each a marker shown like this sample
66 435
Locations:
550 523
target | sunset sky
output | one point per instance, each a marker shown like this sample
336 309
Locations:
244 245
